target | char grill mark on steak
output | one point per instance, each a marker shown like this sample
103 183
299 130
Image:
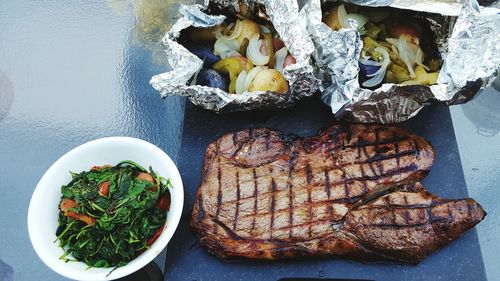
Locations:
309 199
291 166
267 196
344 180
273 190
396 148
237 201
255 192
219 195
345 183
328 185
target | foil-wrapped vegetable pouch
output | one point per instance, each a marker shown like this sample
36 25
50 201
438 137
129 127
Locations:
383 61
235 56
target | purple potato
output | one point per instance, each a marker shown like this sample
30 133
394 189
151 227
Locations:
367 69
205 53
212 78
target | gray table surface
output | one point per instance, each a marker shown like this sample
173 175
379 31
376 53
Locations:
73 71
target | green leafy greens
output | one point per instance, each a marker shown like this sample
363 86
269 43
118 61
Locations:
111 214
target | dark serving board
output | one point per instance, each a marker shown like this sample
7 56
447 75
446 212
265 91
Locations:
187 260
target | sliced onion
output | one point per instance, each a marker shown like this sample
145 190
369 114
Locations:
253 51
238 29
251 75
394 49
342 16
240 82
226 48
378 76
370 62
268 43
361 20
363 54
420 59
409 52
280 59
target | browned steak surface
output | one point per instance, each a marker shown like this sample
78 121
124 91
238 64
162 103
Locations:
265 195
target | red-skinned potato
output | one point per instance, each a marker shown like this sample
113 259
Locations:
277 44
289 60
405 29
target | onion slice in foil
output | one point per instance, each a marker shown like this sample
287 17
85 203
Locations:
409 53
224 47
280 59
237 30
253 51
240 82
342 17
378 76
251 75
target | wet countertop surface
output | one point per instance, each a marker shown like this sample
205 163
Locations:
74 71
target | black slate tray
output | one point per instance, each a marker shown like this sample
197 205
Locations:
188 260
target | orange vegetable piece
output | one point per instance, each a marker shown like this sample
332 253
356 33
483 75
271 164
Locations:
81 217
67 204
164 202
155 236
104 188
146 177
97 168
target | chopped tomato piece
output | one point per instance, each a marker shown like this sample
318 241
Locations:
155 236
81 217
104 188
146 177
97 168
67 204
164 202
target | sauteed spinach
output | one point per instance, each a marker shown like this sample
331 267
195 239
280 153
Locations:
111 214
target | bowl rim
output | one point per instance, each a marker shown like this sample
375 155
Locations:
144 258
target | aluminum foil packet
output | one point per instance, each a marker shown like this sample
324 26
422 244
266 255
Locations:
282 14
467 37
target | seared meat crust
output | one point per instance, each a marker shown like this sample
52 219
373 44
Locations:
265 195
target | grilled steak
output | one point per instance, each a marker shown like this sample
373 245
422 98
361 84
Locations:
349 191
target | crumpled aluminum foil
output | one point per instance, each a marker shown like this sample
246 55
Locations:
467 37
283 14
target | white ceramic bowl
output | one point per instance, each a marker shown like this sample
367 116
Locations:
43 210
